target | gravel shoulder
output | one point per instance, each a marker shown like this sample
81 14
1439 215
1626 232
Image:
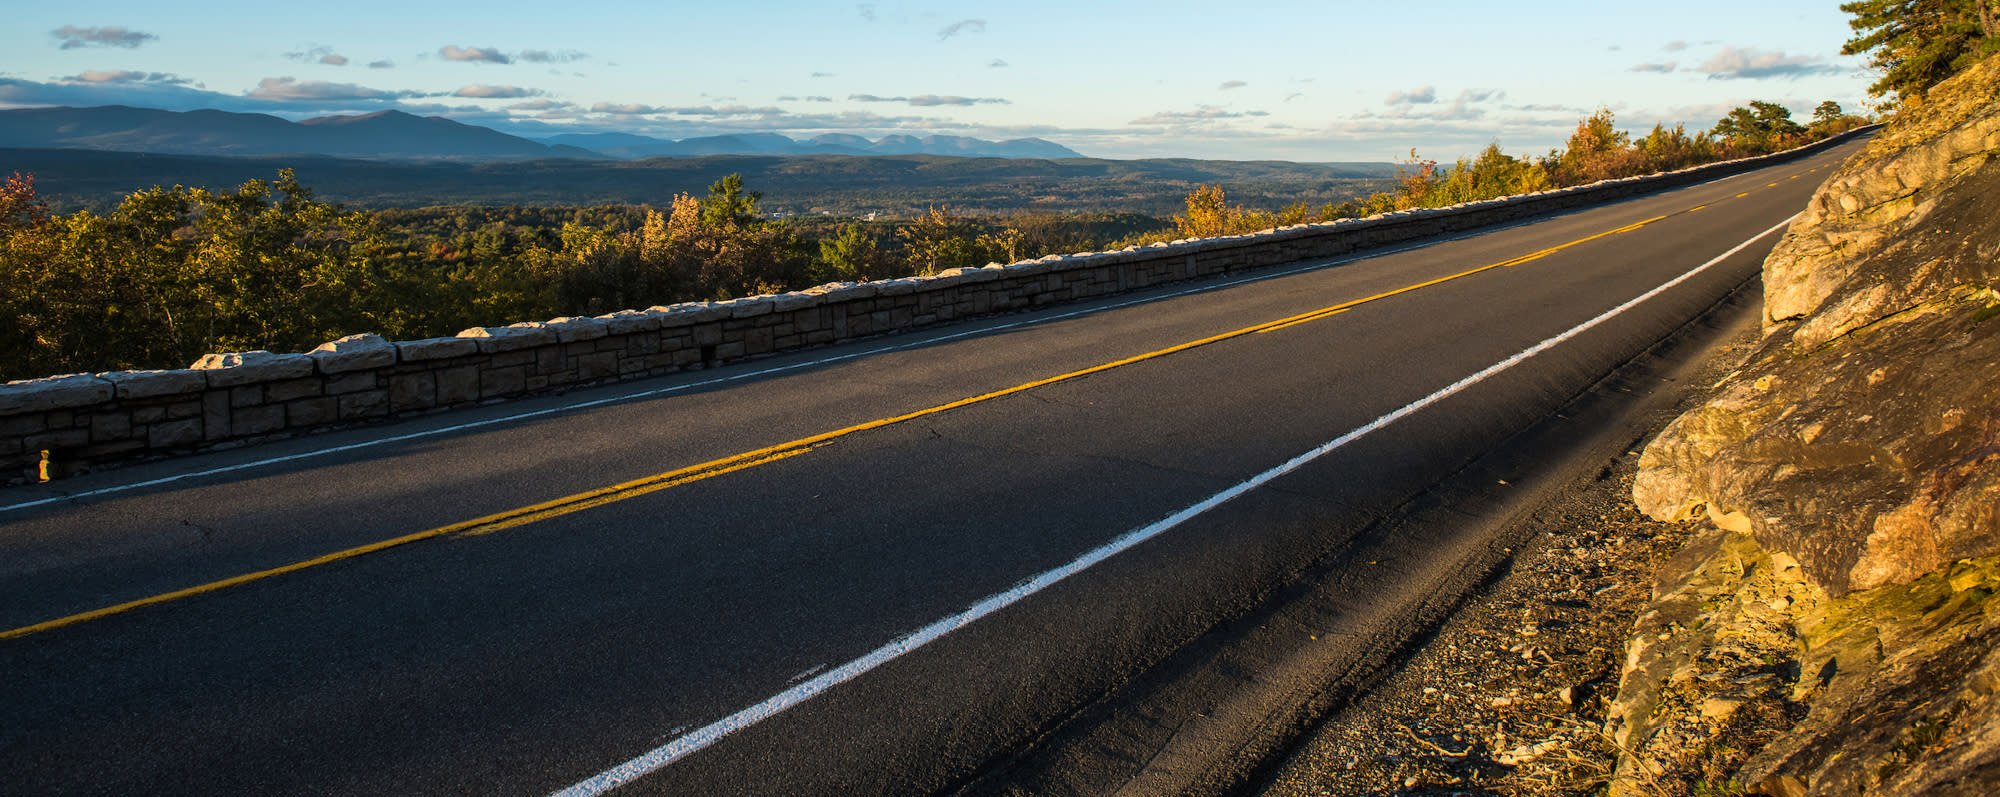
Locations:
1510 694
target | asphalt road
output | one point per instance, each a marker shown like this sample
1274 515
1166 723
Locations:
889 608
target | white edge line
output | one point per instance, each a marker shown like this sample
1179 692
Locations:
659 757
1372 253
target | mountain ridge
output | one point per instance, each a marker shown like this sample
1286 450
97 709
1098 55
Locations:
397 135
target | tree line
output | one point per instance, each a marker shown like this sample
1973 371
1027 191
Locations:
1598 150
170 274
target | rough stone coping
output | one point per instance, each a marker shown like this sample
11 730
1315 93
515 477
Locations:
627 322
573 329
53 393
435 349
249 367
361 352
147 384
353 353
513 337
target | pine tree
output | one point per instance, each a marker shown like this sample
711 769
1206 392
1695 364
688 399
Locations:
1919 43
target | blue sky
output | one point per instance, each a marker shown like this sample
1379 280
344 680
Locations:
1303 81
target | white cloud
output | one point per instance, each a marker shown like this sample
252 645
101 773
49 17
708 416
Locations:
127 76
1202 115
1661 68
1734 63
73 37
288 89
549 57
489 55
381 64
962 26
1421 95
486 92
541 105
627 109
319 55
1232 84
930 100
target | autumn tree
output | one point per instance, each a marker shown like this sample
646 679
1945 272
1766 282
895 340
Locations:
939 240
20 207
1598 150
174 273
1208 214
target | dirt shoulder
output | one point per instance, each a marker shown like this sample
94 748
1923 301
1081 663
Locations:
1510 695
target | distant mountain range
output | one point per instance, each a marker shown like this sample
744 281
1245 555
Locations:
628 146
395 135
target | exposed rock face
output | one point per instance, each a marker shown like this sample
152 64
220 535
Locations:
1892 186
1863 437
1882 691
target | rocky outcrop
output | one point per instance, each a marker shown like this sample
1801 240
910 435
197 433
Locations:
1838 631
1863 436
1742 673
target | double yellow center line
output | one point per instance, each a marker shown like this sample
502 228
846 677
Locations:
632 489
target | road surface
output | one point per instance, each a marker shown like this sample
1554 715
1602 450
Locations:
880 567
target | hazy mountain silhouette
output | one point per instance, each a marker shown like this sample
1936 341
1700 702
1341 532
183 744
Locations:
395 135
626 145
384 135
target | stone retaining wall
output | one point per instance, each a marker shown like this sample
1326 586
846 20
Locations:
58 425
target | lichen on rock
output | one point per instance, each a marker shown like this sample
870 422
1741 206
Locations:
1862 440
1863 436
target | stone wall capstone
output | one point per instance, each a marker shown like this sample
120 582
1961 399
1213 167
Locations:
58 425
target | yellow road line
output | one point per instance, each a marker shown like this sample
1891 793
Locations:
1695 208
749 459
1742 195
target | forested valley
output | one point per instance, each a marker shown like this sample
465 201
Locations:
171 273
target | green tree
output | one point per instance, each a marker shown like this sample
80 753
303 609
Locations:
1762 127
728 205
850 255
1918 43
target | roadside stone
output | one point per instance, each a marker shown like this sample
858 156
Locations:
53 393
148 384
574 329
496 340
435 348
252 367
354 353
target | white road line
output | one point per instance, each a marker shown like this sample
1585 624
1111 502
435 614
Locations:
659 757
1372 253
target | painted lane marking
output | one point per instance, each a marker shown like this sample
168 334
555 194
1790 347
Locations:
1742 195
557 507
632 489
1533 256
643 394
659 757
782 368
481 525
